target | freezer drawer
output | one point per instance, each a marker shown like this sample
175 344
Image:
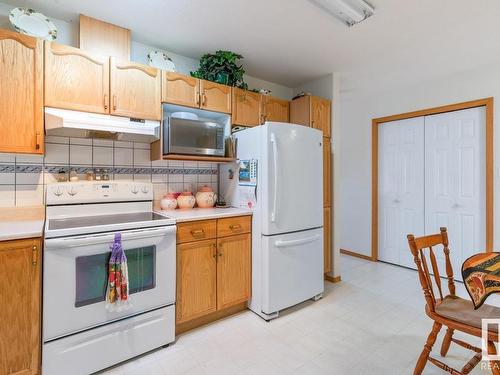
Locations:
292 269
98 348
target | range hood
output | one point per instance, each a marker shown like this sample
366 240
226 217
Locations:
66 123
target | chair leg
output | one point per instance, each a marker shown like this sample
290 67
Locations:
495 365
446 342
431 339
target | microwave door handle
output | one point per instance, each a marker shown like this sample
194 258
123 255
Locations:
108 238
275 165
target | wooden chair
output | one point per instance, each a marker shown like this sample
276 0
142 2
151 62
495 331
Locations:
451 311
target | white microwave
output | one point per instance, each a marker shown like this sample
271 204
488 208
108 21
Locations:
193 137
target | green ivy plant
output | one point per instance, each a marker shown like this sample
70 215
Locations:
221 67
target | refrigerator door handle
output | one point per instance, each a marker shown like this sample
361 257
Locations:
301 241
275 164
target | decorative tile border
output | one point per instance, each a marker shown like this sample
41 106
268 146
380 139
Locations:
38 168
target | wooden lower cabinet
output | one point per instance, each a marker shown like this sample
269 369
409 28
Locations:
196 279
213 275
233 266
20 293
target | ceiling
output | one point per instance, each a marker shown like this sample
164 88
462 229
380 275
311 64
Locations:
292 41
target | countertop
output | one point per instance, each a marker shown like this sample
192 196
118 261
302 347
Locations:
16 229
22 222
204 213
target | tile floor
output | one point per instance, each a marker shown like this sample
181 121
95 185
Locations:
370 323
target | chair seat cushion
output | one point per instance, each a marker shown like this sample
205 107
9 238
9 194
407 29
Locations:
461 310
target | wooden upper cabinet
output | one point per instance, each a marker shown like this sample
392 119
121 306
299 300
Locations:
20 296
135 90
215 97
196 280
312 111
300 111
327 172
276 109
75 79
21 93
320 115
246 108
104 38
233 270
180 89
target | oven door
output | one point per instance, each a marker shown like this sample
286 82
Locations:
75 278
193 137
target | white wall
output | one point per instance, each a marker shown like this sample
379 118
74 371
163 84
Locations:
360 106
67 33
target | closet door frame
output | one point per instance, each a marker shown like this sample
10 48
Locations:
488 104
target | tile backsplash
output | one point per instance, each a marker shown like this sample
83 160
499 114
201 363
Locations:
23 177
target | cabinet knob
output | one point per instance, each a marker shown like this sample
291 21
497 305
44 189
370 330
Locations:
34 256
37 144
197 232
106 101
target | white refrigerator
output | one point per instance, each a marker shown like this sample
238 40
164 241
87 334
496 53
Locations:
279 175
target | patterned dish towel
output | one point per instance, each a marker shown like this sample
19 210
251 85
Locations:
481 275
117 298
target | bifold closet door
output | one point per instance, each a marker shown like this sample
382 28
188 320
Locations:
455 181
400 188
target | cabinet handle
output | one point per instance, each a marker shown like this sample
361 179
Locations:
204 99
34 256
197 98
215 251
106 101
37 141
197 232
114 102
220 251
235 227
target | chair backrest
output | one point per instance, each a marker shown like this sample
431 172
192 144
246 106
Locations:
418 247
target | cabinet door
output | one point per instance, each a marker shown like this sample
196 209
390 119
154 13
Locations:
320 115
276 109
233 270
327 239
20 301
196 279
75 79
300 111
327 172
21 93
180 89
246 107
135 90
215 97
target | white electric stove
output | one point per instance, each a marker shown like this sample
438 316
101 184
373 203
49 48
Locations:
80 336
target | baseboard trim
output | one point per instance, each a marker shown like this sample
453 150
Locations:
333 279
356 255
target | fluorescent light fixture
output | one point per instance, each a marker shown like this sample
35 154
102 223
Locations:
350 12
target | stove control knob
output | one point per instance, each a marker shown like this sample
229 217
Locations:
134 189
72 191
58 192
145 189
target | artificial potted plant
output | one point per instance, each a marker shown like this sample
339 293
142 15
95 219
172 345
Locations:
221 67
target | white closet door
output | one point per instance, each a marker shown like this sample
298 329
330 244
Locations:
400 188
455 191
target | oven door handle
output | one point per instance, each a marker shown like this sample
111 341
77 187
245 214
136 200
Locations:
90 239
